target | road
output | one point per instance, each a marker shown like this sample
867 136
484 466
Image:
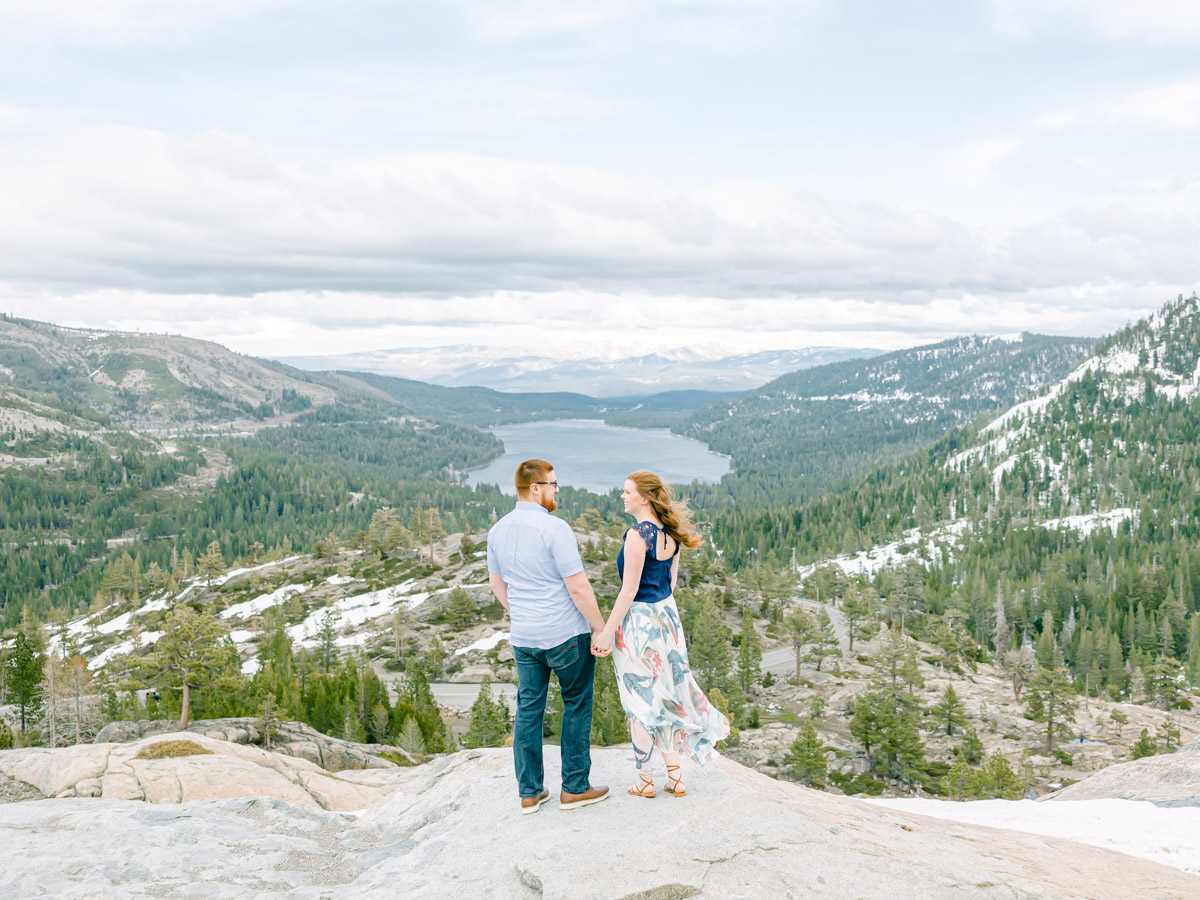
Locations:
462 695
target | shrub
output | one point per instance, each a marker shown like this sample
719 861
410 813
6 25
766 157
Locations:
169 749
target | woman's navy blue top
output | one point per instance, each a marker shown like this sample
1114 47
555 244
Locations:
655 584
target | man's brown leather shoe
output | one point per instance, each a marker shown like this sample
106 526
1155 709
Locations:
592 795
533 804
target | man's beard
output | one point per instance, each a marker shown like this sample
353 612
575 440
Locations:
549 503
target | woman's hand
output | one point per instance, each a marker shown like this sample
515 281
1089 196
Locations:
602 643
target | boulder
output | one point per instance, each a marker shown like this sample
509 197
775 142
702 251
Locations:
453 828
289 738
1170 780
210 768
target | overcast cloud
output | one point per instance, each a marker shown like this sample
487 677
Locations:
287 181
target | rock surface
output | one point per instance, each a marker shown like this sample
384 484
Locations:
116 772
290 738
454 829
1171 780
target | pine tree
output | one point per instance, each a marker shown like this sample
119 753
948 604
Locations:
710 649
958 783
460 611
411 739
749 659
825 643
1022 667
804 629
1144 747
24 679
996 779
490 722
1051 699
190 654
327 652
211 563
859 616
1165 681
807 756
970 750
949 710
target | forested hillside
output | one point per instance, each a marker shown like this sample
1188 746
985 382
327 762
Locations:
154 384
1071 522
484 407
804 433
155 446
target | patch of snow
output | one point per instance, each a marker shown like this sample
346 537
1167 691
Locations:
241 636
154 606
253 607
1170 836
112 626
350 612
100 660
250 666
1086 524
340 579
234 573
888 556
485 643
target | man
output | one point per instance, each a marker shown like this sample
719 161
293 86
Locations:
535 572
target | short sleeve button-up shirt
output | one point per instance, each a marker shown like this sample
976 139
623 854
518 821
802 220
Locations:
533 552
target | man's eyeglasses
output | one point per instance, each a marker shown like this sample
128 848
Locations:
554 483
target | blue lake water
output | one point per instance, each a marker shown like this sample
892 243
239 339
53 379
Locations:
586 453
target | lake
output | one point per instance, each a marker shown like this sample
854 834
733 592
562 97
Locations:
587 453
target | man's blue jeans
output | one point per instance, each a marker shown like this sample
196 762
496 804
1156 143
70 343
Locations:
575 667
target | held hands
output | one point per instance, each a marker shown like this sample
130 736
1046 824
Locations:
602 643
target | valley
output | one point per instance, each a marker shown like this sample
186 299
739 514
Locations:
994 594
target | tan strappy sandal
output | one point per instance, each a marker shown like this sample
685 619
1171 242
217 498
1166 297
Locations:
675 783
644 787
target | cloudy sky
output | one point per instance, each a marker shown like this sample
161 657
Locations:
297 177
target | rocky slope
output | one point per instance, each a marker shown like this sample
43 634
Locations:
174 768
156 384
737 834
1162 780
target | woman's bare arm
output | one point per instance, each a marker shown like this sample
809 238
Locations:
635 561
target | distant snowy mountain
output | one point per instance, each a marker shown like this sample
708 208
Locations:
597 371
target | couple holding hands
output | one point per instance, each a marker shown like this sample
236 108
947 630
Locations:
536 573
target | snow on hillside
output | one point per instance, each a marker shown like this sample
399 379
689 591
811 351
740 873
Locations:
1089 523
263 602
103 640
1170 836
485 643
915 545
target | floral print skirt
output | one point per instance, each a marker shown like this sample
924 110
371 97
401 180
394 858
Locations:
659 694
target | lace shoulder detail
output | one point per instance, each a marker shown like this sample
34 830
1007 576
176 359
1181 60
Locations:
649 533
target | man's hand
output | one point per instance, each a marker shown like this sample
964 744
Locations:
602 643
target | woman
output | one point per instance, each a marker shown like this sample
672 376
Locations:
665 706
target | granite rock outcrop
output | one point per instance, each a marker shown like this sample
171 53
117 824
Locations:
453 828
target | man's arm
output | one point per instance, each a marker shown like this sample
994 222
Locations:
585 599
499 588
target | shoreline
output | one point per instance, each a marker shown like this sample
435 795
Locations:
594 423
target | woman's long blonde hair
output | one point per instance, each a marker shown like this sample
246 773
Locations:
674 514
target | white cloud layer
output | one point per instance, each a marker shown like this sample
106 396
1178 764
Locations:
218 237
1170 107
1154 20
717 24
122 21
